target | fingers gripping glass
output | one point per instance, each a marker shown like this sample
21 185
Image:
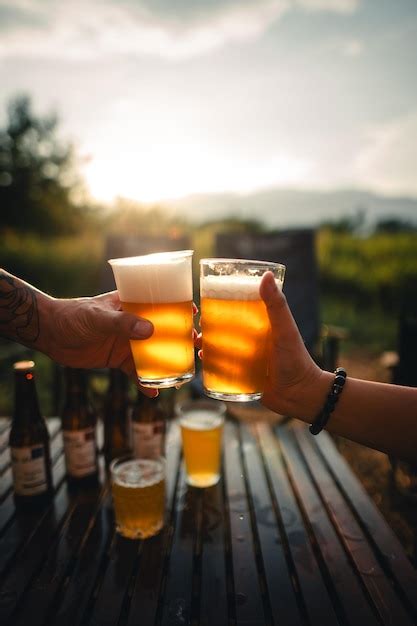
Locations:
235 327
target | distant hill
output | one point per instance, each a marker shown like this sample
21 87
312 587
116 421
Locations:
283 208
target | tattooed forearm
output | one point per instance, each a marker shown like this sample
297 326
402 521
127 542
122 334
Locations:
19 315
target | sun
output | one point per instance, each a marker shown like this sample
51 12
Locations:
159 170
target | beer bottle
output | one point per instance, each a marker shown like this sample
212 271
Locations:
116 416
29 440
148 427
79 430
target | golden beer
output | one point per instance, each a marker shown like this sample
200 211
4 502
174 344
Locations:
235 329
201 431
138 488
169 352
158 287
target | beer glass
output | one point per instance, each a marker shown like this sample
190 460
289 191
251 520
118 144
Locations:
138 489
159 288
201 423
235 327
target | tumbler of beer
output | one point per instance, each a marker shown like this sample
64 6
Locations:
138 489
235 327
159 288
201 424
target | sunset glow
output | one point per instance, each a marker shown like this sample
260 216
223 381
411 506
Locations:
169 99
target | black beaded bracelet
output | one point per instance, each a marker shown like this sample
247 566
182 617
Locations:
331 400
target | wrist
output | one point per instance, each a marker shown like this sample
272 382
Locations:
47 311
303 400
310 396
24 312
313 396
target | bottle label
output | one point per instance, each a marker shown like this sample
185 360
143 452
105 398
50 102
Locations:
147 439
29 470
80 452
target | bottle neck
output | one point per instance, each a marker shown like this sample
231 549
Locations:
26 399
76 393
117 395
118 383
147 409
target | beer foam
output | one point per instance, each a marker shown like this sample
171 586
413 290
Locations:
232 287
201 419
160 277
130 474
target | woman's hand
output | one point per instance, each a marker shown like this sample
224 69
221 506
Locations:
294 385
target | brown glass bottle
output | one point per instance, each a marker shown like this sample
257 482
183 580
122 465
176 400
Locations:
116 416
148 427
29 440
79 430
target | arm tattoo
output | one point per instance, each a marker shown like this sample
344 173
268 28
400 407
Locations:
19 317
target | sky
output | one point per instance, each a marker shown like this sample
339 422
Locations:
165 98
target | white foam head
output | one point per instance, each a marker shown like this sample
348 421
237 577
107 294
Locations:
135 473
201 419
232 287
159 277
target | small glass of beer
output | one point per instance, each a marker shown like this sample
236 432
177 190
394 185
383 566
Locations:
138 488
235 327
201 424
159 288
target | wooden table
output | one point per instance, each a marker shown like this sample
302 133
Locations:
288 537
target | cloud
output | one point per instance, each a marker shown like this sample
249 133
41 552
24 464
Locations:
91 29
352 48
389 159
334 6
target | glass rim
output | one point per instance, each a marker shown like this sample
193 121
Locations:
142 259
131 457
223 261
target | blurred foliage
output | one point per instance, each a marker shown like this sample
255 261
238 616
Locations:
40 191
62 266
369 329
348 224
204 237
375 271
392 225
127 217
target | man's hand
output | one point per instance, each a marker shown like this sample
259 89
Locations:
94 332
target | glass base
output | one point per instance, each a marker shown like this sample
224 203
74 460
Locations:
233 397
203 481
165 383
138 533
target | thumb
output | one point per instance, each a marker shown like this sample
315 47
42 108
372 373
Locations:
125 325
280 316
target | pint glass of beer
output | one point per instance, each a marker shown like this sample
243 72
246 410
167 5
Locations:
235 327
201 424
138 489
159 288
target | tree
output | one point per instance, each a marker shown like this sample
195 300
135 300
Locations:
348 224
392 225
38 180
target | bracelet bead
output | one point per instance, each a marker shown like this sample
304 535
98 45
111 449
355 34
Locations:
337 387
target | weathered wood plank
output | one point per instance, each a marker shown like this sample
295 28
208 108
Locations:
29 560
214 575
145 596
41 596
378 533
282 596
248 605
